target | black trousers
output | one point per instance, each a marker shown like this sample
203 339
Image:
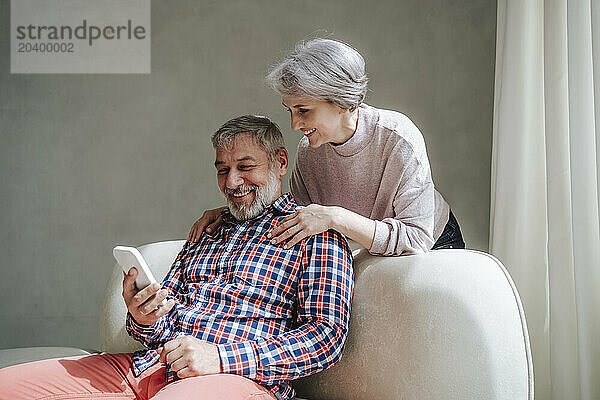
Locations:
451 238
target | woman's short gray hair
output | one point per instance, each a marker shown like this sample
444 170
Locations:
322 69
265 132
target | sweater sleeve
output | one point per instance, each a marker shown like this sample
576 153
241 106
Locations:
410 231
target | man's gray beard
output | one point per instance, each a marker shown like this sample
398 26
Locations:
264 197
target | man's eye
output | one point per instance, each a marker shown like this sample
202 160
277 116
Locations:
222 171
246 167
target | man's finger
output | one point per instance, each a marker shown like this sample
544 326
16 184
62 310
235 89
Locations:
144 294
153 307
177 363
164 309
129 289
200 226
167 348
185 373
153 302
175 357
174 354
172 344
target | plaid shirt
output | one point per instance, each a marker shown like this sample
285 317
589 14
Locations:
274 314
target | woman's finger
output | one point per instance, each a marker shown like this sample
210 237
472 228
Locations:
197 229
197 234
282 227
288 218
291 231
200 227
214 226
208 217
192 231
296 239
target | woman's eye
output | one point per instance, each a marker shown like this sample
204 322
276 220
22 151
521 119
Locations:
303 111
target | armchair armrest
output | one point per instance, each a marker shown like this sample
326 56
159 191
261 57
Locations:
446 324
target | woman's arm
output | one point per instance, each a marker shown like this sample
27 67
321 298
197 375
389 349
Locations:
315 218
354 226
408 231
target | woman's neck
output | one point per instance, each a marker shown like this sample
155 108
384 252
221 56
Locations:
349 123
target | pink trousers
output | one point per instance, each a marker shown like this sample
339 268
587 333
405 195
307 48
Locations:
110 376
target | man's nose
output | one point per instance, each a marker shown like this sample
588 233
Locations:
234 180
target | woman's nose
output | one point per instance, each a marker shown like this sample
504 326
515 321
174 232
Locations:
294 122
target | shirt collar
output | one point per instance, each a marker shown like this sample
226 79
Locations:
284 205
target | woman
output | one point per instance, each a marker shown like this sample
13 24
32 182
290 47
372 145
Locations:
359 170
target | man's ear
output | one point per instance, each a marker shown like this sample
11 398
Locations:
281 161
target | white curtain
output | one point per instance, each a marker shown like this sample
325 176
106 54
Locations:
545 191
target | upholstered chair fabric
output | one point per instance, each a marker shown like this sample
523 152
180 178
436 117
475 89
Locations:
443 325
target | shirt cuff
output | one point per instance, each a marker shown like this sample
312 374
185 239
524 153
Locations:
381 238
238 358
142 331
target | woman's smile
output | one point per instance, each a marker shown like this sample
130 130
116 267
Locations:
320 121
309 132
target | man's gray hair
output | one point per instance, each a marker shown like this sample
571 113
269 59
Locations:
265 132
322 69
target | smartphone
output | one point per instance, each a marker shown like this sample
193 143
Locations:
129 257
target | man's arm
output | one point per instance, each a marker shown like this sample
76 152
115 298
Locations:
324 297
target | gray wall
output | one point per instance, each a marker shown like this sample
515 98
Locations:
91 161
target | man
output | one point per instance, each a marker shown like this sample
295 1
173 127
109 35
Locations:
242 316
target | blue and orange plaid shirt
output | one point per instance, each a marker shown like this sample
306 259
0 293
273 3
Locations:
274 314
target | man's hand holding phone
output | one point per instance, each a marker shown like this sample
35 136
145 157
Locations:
145 305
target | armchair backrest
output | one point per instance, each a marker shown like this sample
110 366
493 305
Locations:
114 338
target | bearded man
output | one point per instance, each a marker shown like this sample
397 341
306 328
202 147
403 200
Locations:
242 316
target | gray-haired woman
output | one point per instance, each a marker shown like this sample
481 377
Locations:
359 170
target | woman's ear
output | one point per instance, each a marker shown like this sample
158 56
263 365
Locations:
345 110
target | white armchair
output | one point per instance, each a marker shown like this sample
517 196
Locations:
443 325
